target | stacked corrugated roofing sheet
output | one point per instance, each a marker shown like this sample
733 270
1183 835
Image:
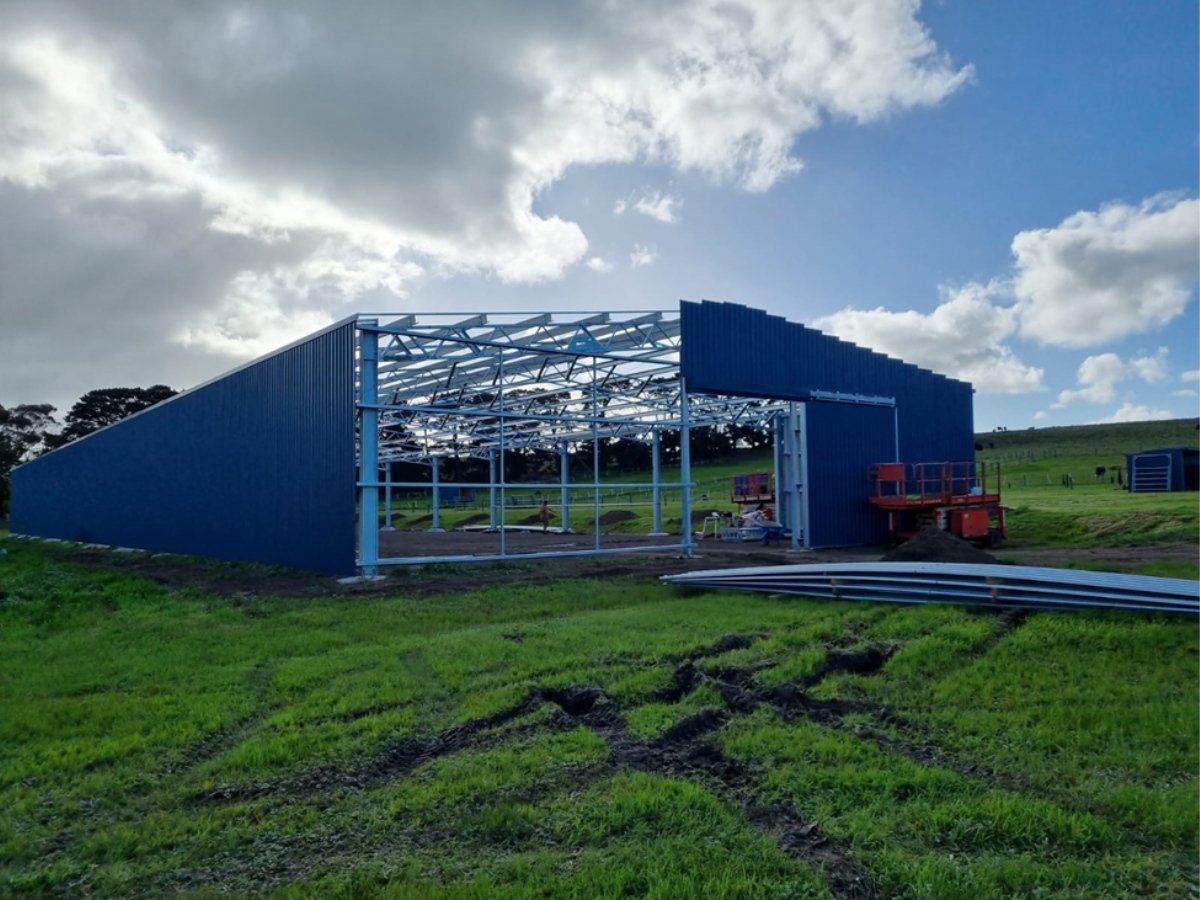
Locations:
959 583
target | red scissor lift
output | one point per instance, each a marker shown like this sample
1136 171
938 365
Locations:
960 497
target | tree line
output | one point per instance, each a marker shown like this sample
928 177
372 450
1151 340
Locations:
31 429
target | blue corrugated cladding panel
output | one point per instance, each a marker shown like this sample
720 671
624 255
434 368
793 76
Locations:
844 441
733 349
258 465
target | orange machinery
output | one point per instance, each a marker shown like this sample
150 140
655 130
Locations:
960 497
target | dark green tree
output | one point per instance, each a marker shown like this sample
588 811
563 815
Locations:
24 433
104 406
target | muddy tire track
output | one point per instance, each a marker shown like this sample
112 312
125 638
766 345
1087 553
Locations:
213 744
683 751
395 761
741 694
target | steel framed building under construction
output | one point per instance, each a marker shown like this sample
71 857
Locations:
289 459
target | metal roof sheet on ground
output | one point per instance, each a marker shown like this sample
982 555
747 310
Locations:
931 582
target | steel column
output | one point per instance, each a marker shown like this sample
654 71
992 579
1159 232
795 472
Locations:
492 488
368 517
437 496
595 461
656 470
685 467
783 484
564 497
500 442
387 494
798 495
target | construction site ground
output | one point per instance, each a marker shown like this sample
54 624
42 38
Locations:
239 580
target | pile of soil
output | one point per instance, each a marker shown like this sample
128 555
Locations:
934 545
475 519
616 516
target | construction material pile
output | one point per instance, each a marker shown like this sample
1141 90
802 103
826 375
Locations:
1018 587
935 545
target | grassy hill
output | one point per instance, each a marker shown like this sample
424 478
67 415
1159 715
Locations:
1049 483
1100 441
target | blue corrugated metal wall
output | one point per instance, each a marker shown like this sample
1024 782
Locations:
844 441
257 465
733 349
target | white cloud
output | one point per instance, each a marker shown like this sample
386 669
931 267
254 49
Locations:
722 90
1041 415
1100 375
1096 276
1132 412
599 264
315 139
1099 276
641 255
963 337
655 204
1190 375
1185 393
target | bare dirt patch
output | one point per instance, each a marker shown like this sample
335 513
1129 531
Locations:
243 583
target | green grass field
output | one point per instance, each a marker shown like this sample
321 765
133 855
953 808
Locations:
1049 483
601 736
163 740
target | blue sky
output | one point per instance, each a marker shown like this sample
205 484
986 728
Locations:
1002 191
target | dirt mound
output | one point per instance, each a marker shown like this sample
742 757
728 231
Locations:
475 519
617 516
933 545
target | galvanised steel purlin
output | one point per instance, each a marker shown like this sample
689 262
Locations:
255 465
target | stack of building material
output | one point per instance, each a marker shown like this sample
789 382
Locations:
958 583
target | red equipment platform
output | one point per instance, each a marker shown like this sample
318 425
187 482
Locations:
951 496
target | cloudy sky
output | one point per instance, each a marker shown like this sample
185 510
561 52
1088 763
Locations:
1005 192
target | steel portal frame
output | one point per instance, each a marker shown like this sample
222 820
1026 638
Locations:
480 385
